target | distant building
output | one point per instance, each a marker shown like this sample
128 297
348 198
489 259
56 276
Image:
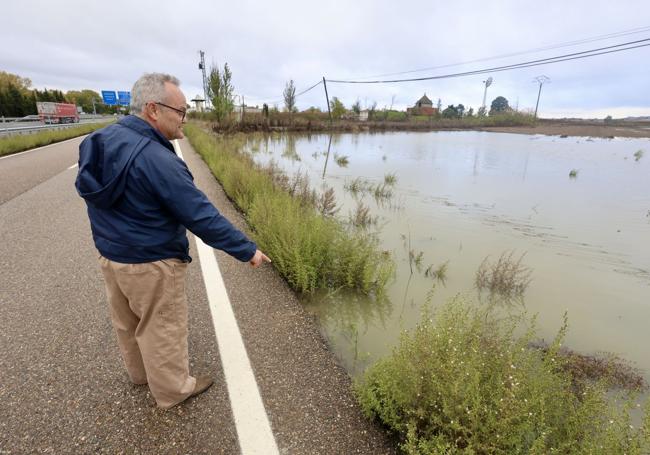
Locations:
363 115
252 110
424 106
198 103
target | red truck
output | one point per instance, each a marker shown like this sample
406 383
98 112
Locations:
50 112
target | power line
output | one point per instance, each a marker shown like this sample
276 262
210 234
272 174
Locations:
530 51
278 100
310 88
544 61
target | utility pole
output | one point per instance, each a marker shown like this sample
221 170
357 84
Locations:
205 79
327 99
541 80
487 83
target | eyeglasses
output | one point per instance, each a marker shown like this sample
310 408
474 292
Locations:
182 113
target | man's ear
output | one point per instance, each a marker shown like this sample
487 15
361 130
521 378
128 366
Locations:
151 111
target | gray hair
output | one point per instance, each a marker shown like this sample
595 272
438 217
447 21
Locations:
150 87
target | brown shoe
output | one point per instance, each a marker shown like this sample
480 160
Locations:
203 383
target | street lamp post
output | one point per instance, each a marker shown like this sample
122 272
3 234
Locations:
487 83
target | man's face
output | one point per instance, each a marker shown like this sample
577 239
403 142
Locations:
169 114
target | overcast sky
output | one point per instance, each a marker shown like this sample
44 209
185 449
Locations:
72 45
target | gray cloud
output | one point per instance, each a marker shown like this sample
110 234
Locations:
76 44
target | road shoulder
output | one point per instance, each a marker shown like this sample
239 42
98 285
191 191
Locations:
306 392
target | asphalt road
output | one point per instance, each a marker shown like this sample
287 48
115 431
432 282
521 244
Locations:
63 388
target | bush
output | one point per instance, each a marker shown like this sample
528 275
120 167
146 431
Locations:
310 250
18 143
464 382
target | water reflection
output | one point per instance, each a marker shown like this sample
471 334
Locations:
349 315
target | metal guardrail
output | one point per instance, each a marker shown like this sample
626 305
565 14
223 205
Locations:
8 128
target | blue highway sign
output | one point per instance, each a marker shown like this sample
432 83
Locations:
109 97
124 98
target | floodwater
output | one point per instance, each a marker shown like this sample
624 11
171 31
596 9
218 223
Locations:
460 197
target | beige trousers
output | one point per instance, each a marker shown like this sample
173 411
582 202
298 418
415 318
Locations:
149 315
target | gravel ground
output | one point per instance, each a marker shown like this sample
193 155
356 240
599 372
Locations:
63 388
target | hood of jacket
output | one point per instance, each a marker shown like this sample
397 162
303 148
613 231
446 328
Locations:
106 155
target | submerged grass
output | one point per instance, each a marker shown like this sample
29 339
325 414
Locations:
341 160
464 381
21 142
507 277
310 250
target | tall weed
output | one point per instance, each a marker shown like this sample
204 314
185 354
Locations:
310 250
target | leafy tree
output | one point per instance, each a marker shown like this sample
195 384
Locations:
499 105
289 95
608 119
470 112
15 101
3 104
337 107
29 103
22 83
481 111
372 110
221 92
84 99
452 111
15 95
356 107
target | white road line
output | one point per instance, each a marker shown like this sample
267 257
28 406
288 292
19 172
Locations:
40 148
252 423
73 166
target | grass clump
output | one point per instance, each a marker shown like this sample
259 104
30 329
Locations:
507 277
464 382
357 186
291 224
21 142
390 179
573 173
361 217
341 160
638 155
326 204
437 273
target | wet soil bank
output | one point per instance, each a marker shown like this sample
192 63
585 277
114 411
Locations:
566 128
547 127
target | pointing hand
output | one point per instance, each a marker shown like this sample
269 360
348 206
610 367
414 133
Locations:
258 259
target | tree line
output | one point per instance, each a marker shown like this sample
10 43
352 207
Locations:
221 96
18 99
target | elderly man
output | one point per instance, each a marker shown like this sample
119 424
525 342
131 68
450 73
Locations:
141 197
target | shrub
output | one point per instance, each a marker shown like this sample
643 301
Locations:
464 382
310 250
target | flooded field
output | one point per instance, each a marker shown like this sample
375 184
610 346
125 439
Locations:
574 211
